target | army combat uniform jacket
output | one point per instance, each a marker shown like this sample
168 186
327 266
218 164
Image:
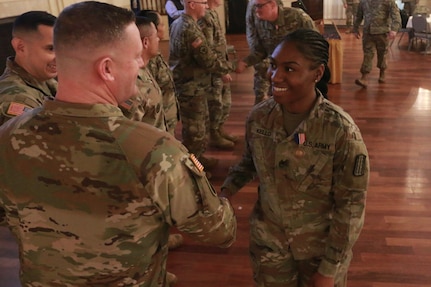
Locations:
264 36
380 17
192 58
20 92
104 192
147 105
312 183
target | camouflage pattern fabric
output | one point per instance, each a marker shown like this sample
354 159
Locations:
351 11
193 62
218 96
21 92
312 190
263 36
104 192
147 105
380 17
163 75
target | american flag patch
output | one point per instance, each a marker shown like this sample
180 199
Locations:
196 162
16 109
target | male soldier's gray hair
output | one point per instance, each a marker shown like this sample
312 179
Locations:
90 24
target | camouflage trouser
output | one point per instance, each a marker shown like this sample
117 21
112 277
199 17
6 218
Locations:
370 43
219 102
194 119
351 10
261 81
273 264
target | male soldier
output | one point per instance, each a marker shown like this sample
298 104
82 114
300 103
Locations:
382 20
219 94
351 7
267 23
261 83
28 79
104 189
193 61
147 105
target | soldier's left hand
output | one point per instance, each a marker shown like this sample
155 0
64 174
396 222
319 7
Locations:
226 78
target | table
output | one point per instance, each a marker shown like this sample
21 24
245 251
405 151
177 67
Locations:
336 51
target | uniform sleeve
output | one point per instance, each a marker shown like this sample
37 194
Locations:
358 19
196 209
257 50
395 17
242 173
350 183
207 58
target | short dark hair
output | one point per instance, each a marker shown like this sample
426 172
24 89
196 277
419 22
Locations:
144 25
29 22
150 14
91 24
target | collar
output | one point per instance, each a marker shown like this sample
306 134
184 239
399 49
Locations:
82 110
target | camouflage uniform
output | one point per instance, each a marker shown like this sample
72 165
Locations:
193 62
410 6
380 17
311 196
163 76
20 92
104 192
263 36
147 105
219 94
351 11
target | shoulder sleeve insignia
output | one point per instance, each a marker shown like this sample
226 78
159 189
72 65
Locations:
360 164
16 109
196 43
196 162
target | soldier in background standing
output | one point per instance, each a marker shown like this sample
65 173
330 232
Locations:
193 62
410 6
219 93
159 69
382 21
351 7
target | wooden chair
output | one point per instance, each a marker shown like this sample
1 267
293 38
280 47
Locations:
421 30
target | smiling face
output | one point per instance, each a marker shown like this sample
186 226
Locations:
293 78
35 53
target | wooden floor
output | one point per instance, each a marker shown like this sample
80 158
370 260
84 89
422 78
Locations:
394 249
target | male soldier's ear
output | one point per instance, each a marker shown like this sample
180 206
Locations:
104 68
18 44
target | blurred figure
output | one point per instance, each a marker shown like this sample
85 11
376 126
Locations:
193 62
313 169
161 72
174 9
351 7
105 190
219 95
382 21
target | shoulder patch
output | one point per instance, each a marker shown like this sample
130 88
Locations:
360 164
16 109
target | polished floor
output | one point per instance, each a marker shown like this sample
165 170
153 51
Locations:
394 249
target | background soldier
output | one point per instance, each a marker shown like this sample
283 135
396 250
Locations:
351 7
382 20
193 61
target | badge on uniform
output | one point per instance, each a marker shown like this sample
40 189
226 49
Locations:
360 164
16 109
196 162
300 140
